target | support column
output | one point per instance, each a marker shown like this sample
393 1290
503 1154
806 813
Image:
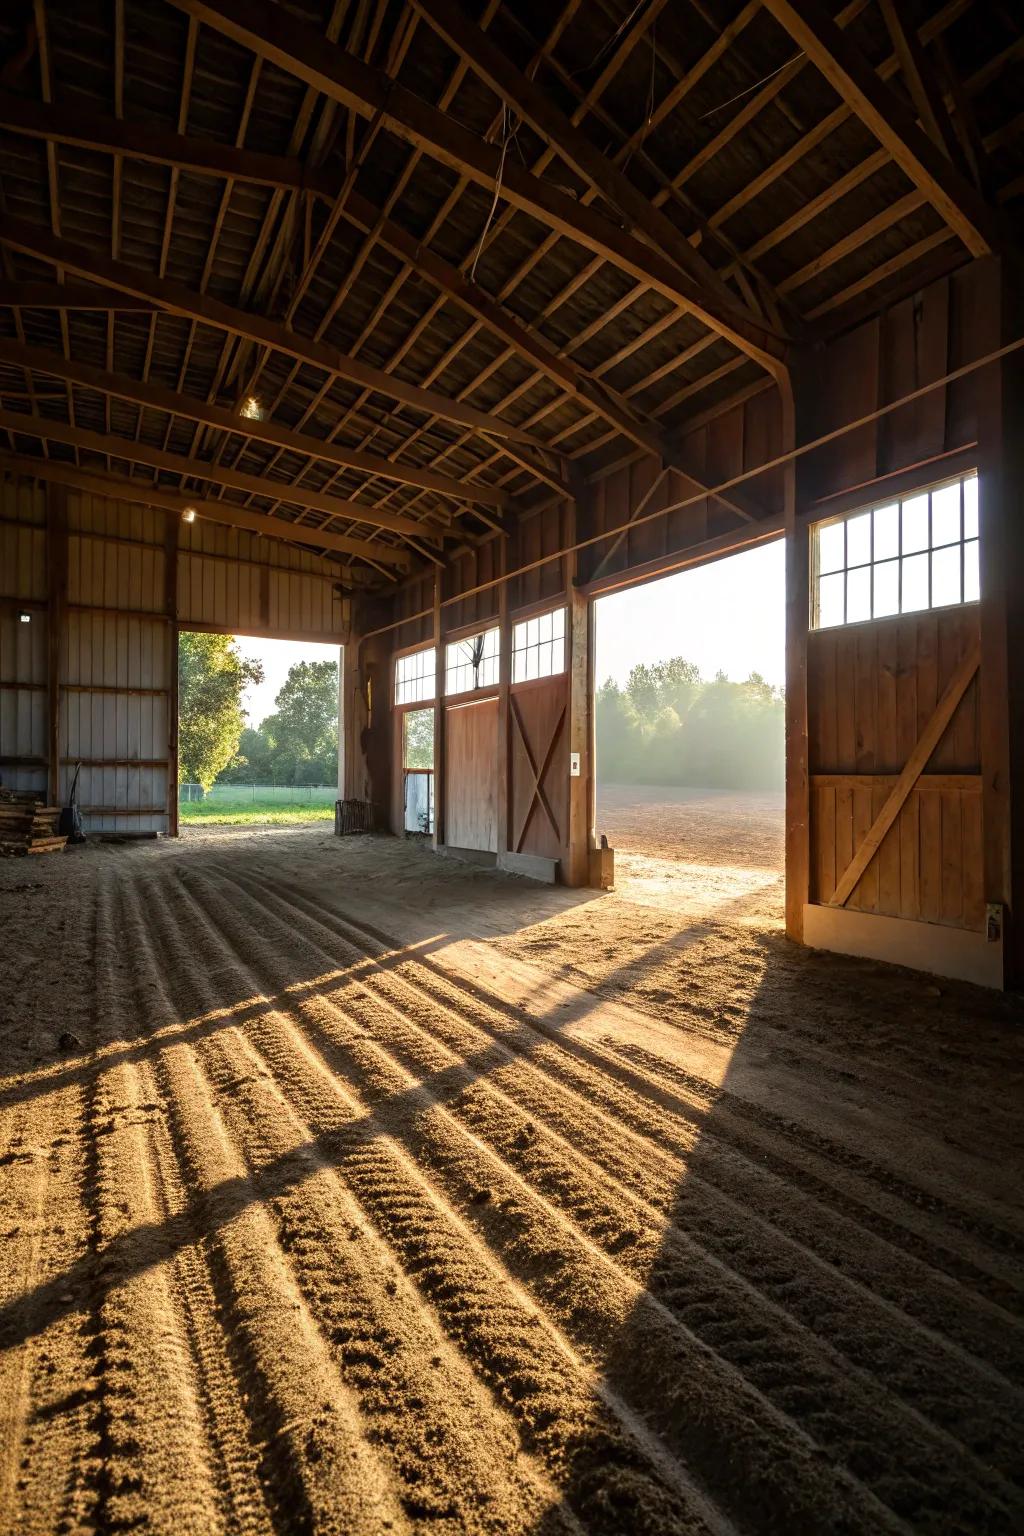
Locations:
504 764
797 618
439 719
57 574
171 608
342 719
580 616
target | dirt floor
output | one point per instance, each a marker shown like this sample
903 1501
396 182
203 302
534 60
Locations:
345 1188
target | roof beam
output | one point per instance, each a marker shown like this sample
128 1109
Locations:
848 72
35 240
69 296
155 397
91 130
124 489
492 64
47 430
283 39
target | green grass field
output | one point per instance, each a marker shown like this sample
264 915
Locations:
228 805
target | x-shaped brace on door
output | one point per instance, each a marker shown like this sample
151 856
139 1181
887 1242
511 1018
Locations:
537 793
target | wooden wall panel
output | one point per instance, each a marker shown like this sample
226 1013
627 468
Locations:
471 807
871 690
540 744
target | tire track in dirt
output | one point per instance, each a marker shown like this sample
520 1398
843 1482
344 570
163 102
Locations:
729 1160
315 1460
401 1367
561 1266
534 1371
815 1375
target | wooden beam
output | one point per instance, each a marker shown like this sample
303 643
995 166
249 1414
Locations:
57 579
156 397
848 72
917 75
912 770
138 141
176 299
122 488
283 39
493 65
48 430
69 296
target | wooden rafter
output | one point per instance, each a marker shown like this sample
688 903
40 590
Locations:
93 130
175 298
124 489
847 70
157 397
292 45
44 427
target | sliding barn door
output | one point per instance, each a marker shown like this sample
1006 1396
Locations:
471 807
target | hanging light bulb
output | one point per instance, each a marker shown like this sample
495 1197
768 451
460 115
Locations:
189 515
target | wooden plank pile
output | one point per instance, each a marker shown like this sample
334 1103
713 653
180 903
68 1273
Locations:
27 825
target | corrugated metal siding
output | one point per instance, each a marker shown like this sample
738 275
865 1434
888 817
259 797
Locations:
116 651
23 652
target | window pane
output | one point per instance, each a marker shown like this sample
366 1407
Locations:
858 594
887 531
858 539
887 588
830 600
946 515
915 524
518 636
831 547
971 584
946 576
558 623
915 584
532 632
971 507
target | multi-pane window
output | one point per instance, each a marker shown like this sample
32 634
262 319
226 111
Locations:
900 557
472 663
538 646
414 677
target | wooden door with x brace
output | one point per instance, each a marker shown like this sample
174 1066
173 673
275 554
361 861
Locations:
539 760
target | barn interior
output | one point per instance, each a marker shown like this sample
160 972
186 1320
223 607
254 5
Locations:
428 1176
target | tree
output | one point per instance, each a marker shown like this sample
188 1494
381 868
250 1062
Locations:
304 731
211 678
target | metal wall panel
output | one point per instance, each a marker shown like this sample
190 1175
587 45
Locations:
116 639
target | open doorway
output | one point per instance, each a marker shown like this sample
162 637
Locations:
257 730
690 736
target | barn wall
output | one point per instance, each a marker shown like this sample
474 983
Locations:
93 676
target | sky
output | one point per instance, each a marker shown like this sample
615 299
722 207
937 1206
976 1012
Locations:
728 616
277 656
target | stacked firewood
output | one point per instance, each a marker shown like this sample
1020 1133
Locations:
27 825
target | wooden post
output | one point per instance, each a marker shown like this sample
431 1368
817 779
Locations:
439 720
171 608
797 615
57 574
342 719
504 763
579 613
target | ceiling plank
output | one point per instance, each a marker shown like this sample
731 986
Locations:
35 240
220 418
848 72
91 130
124 489
282 38
46 429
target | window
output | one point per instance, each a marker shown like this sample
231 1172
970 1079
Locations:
902 557
414 677
538 646
472 663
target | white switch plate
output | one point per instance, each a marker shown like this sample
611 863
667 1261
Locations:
574 765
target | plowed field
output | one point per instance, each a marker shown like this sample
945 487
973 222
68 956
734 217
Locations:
347 1189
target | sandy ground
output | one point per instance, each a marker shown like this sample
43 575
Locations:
349 1189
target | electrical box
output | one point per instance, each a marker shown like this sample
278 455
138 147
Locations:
574 765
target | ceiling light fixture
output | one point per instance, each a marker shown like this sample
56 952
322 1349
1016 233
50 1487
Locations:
189 515
251 408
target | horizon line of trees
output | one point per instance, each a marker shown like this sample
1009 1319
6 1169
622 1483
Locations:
668 725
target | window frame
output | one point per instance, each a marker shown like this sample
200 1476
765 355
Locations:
477 688
523 623
418 701
871 564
